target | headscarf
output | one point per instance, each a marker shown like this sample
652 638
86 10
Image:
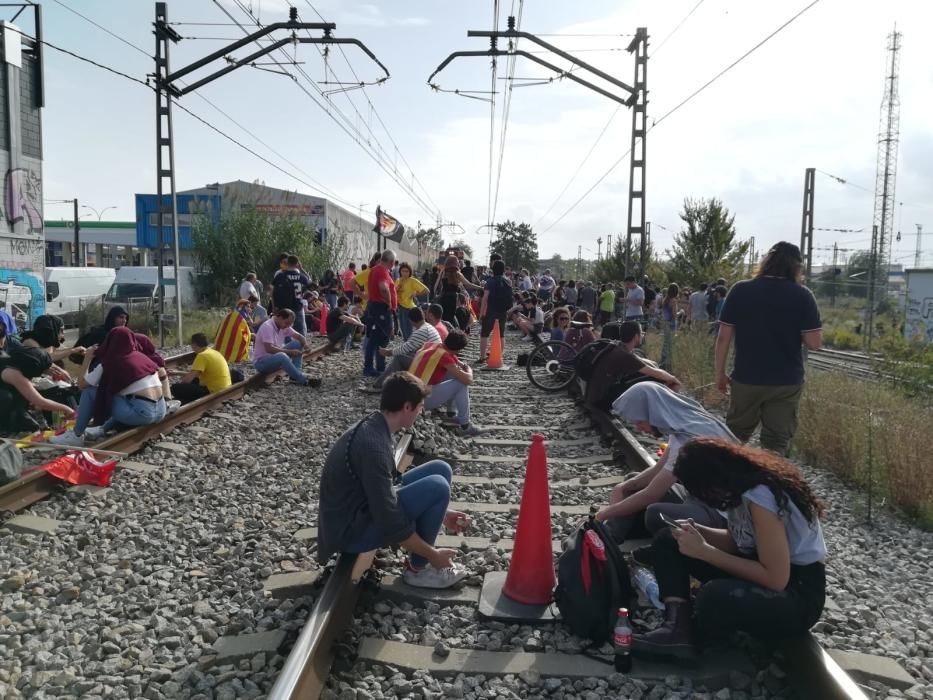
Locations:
96 335
669 412
123 364
147 348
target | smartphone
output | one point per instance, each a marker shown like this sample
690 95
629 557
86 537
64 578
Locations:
669 522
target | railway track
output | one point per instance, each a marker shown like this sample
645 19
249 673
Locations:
37 485
583 453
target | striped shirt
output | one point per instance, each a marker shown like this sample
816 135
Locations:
426 334
431 363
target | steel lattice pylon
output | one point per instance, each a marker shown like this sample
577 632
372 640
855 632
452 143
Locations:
886 169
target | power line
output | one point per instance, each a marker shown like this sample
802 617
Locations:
505 112
492 116
602 133
683 102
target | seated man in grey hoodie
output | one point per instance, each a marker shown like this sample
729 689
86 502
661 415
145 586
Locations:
402 355
636 504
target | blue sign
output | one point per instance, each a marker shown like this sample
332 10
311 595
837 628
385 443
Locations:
190 207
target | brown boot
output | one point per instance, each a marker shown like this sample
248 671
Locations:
672 638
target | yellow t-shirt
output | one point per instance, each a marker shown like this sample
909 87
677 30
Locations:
408 287
215 374
362 279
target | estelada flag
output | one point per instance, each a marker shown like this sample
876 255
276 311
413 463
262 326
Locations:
232 339
388 226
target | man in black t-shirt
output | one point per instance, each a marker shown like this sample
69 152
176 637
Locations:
340 324
288 286
770 317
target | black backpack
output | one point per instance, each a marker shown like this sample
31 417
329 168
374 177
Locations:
590 608
586 359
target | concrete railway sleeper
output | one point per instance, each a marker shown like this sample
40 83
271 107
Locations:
395 640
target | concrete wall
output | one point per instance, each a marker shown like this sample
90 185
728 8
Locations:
22 248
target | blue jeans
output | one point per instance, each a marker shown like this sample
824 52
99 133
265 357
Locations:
452 393
331 300
404 323
300 321
132 410
267 364
423 496
85 409
373 362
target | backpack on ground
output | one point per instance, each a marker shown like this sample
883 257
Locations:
586 359
592 582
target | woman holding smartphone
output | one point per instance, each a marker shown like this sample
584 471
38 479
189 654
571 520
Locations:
763 574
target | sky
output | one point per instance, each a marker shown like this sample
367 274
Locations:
809 97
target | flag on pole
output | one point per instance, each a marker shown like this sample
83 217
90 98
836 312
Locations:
388 226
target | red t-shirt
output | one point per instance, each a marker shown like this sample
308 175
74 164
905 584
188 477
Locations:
442 330
377 274
436 355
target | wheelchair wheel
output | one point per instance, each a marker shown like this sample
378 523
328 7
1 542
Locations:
551 365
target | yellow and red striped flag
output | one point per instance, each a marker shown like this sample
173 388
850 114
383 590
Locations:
232 339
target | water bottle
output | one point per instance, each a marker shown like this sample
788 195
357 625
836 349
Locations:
648 586
622 642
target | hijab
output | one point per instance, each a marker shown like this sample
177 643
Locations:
147 348
669 412
96 335
123 364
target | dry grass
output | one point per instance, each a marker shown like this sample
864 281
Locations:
833 428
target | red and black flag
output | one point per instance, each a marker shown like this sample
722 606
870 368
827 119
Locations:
388 226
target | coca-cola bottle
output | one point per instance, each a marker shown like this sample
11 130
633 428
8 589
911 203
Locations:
622 641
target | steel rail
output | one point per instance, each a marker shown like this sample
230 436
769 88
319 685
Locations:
306 669
814 672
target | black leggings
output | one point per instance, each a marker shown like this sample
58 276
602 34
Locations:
186 393
725 604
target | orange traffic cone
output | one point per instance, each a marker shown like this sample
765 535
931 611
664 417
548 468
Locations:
495 350
322 330
531 574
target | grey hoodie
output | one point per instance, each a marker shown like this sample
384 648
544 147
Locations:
669 412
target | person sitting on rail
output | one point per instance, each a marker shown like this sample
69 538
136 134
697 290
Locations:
341 325
401 356
19 365
438 365
560 320
116 317
763 573
619 368
280 347
636 504
359 509
129 391
257 314
146 347
209 372
433 315
528 317
581 332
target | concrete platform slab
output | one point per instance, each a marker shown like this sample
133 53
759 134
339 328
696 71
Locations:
306 533
172 447
493 442
509 507
489 459
139 467
394 588
710 670
89 490
290 585
867 667
243 646
504 481
32 524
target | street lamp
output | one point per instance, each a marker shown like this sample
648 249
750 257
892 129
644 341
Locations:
99 214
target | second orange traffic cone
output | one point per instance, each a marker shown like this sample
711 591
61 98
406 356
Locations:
531 574
322 329
495 350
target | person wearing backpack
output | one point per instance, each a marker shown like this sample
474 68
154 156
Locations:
497 300
635 505
763 573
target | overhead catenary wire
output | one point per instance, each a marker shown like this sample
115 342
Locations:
492 115
680 104
309 181
609 121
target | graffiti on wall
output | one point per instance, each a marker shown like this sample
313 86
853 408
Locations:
22 200
22 286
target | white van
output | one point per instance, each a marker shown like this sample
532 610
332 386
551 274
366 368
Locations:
68 289
141 284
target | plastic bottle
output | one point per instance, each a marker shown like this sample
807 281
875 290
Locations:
622 642
648 586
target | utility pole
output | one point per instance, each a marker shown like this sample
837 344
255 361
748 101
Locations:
751 255
599 249
609 246
919 248
76 255
835 272
167 89
579 261
636 178
806 224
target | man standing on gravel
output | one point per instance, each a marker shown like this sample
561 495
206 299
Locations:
771 317
359 508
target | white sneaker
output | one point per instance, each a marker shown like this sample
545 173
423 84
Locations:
429 577
67 438
525 339
94 434
172 406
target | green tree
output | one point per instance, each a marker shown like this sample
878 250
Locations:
517 244
706 247
250 241
464 246
612 267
